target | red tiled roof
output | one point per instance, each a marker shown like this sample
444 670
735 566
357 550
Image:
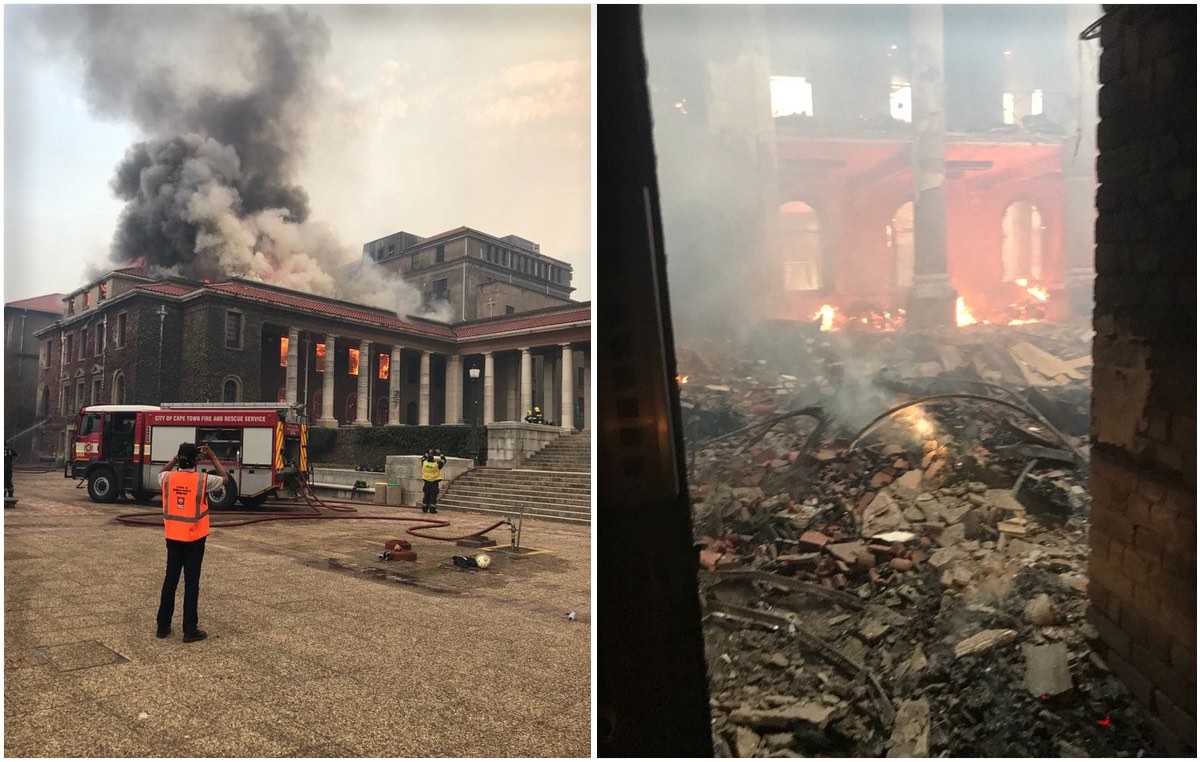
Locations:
136 272
524 322
166 287
293 299
46 303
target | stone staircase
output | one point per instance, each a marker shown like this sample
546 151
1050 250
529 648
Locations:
556 483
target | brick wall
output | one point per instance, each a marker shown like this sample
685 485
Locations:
1143 524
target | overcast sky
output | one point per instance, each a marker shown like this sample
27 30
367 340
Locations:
426 118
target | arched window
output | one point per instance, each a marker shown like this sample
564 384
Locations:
900 246
118 388
231 391
44 403
281 395
317 404
410 414
351 407
800 229
381 411
1023 238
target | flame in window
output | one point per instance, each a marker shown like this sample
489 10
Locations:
320 358
384 363
283 351
353 362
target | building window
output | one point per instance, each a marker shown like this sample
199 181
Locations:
103 288
801 233
231 391
71 306
439 254
414 373
83 343
509 309
45 353
70 347
352 362
44 403
283 351
320 364
385 361
900 102
351 406
233 330
118 390
87 299
96 388
1022 242
281 395
791 95
318 408
1035 103
121 330
1008 103
441 289
416 261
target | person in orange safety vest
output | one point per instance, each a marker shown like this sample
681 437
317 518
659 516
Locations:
185 518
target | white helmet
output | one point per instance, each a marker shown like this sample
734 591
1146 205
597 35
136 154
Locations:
483 560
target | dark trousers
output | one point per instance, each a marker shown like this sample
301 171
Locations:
431 493
185 557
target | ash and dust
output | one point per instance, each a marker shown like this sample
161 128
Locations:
221 96
878 578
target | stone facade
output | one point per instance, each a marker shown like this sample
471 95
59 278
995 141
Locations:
1142 566
24 400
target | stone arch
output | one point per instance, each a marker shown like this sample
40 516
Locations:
118 388
1024 239
231 389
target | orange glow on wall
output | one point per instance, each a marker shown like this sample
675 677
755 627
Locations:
320 358
353 362
384 363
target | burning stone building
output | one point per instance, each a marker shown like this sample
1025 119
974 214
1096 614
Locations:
128 338
878 161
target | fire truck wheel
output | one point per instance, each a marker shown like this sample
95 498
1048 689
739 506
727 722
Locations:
224 496
257 500
102 486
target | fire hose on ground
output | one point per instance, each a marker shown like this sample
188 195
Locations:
343 510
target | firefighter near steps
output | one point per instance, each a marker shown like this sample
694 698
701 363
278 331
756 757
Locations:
431 473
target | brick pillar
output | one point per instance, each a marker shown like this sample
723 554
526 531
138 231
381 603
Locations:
1079 163
423 410
489 388
931 298
293 354
1142 562
328 419
567 419
394 388
362 407
526 382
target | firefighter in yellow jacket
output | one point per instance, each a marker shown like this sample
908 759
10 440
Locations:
431 472
185 519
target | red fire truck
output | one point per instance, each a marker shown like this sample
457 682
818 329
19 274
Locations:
121 449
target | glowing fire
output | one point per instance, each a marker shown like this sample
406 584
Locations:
1037 292
915 418
825 315
962 314
681 380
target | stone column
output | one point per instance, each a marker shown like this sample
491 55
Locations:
931 298
293 354
394 388
423 412
587 392
526 382
489 388
328 419
567 419
363 406
454 394
1079 162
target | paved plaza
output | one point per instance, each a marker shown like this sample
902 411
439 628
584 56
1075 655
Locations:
316 647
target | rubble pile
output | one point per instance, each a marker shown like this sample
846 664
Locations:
887 578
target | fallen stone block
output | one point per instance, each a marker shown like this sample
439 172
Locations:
1046 669
783 718
984 641
910 730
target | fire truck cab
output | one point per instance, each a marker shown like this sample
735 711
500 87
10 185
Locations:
121 449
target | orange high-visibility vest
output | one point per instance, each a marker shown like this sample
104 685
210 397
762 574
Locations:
185 506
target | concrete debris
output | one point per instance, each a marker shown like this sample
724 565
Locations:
984 641
782 718
1041 611
910 731
1046 669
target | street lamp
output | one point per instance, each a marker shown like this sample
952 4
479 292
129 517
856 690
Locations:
474 373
